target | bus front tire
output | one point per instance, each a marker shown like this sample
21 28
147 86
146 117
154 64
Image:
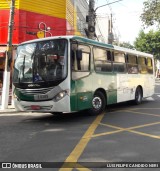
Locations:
98 103
138 96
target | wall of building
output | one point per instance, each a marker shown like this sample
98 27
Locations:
36 19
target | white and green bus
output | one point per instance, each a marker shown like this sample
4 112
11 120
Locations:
71 73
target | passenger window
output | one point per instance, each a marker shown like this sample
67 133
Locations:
119 62
149 66
142 65
132 66
80 58
102 60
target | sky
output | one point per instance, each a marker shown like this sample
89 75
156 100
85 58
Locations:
126 17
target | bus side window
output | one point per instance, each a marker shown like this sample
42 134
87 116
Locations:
132 65
72 59
76 57
119 64
80 58
149 66
142 65
102 60
109 56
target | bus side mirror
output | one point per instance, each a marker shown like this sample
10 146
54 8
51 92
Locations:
79 55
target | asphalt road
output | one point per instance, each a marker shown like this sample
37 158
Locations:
124 133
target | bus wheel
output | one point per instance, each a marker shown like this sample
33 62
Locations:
98 103
138 96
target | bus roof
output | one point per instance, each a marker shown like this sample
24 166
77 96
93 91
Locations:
93 42
132 51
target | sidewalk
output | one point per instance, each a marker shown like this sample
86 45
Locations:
157 79
10 109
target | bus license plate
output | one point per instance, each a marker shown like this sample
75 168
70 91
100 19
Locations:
35 107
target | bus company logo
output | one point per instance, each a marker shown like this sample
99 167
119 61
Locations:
33 85
6 165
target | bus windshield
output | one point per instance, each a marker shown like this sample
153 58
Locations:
44 61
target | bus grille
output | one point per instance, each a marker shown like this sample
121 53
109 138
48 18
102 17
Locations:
35 91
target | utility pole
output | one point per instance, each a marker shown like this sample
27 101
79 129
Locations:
6 77
92 16
91 20
110 31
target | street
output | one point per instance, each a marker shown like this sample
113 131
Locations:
124 133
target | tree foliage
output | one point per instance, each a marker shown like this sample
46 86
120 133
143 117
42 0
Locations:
148 42
151 13
125 45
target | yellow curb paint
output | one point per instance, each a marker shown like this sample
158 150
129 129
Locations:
78 150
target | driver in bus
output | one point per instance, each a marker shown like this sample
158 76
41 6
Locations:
55 66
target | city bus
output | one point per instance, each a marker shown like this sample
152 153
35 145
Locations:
65 74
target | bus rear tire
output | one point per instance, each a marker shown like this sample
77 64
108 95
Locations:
138 96
98 103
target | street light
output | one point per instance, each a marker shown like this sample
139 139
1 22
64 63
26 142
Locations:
107 4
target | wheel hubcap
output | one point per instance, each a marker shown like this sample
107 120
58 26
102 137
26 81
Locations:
97 103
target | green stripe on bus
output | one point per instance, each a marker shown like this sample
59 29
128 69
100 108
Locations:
80 100
90 41
111 97
22 96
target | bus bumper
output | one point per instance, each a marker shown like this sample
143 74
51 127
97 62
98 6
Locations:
62 105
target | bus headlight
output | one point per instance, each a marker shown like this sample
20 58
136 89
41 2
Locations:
60 95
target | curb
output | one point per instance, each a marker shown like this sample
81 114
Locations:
8 111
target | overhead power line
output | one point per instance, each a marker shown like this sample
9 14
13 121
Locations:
107 4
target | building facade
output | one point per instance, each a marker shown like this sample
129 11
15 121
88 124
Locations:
36 19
